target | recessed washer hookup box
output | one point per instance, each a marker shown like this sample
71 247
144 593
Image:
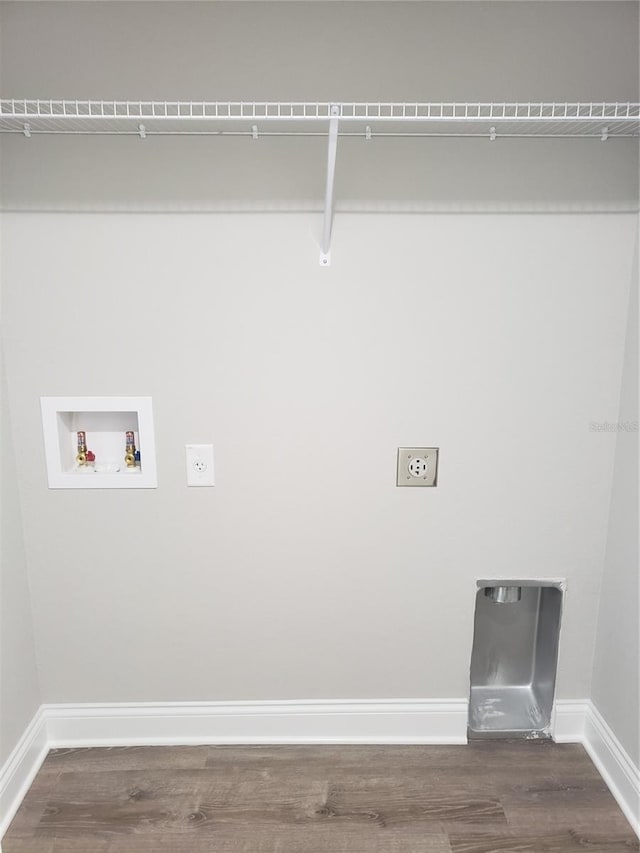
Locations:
514 658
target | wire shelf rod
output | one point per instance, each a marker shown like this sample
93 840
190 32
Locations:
321 134
314 111
599 120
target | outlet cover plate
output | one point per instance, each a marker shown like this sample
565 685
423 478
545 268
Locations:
417 466
200 471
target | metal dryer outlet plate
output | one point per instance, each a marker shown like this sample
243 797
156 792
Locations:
417 466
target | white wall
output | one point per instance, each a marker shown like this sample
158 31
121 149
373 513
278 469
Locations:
616 680
19 687
19 690
305 572
499 338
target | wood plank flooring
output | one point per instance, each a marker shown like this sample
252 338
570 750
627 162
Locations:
500 797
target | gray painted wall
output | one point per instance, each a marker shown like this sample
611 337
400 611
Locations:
19 690
616 680
324 51
497 338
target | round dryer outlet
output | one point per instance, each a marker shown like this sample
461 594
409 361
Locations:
417 467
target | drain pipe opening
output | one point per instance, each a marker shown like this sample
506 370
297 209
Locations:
504 594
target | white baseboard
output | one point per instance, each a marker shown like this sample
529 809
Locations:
568 721
405 721
581 722
20 768
294 722
614 765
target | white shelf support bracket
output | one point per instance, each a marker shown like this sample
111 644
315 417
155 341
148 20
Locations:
254 131
325 253
26 129
604 134
142 131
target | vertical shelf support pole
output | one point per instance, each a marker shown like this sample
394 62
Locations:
325 253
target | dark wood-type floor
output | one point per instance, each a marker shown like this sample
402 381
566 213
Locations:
504 797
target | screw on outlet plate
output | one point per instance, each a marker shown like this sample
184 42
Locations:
417 466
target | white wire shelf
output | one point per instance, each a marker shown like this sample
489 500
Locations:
264 118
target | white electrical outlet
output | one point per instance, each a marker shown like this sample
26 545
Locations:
417 466
200 465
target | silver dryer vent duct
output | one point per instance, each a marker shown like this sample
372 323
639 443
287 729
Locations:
504 594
